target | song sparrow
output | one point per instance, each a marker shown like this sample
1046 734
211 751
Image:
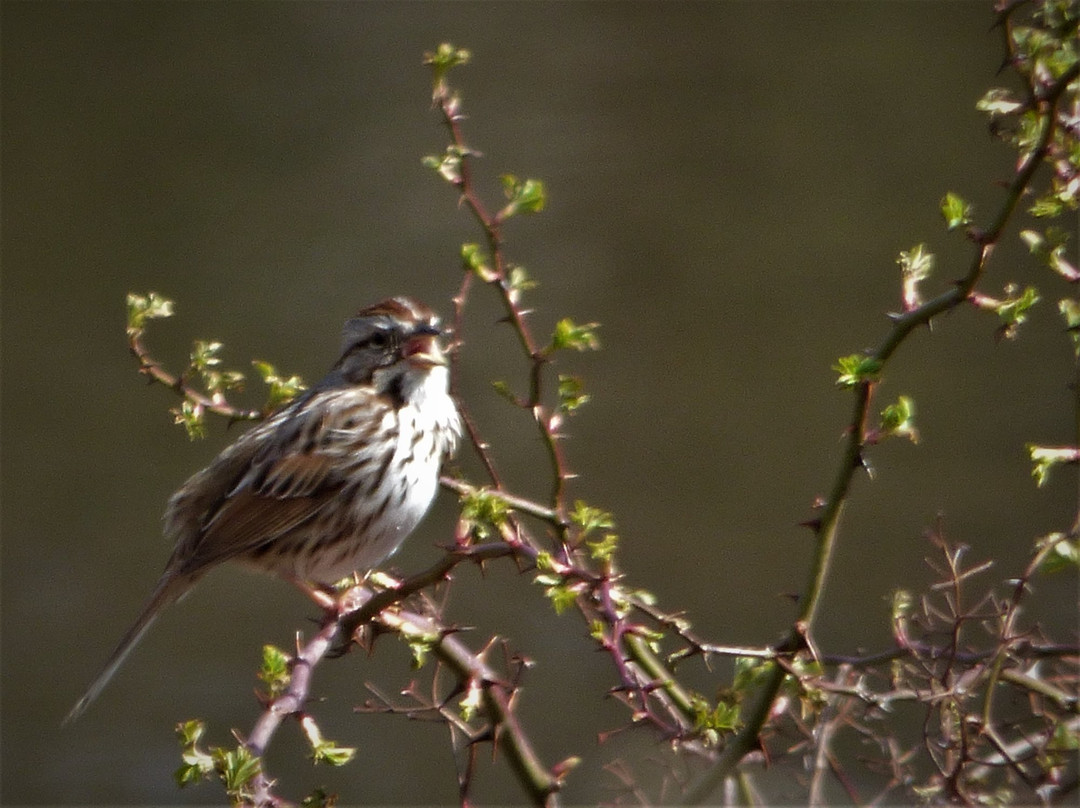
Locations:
330 484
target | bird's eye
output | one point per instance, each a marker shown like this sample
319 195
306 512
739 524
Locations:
380 339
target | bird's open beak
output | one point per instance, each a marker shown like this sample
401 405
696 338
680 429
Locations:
422 348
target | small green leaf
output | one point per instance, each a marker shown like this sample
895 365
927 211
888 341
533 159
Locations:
483 513
802 666
1057 261
604 549
444 58
1052 249
956 210
1014 309
141 308
205 354
589 518
237 768
1044 458
420 651
1046 49
204 358
331 754
898 419
856 369
448 166
749 671
472 701
722 718
1066 738
282 389
504 391
559 590
902 603
1063 555
562 597
189 774
1034 241
190 732
219 382
1047 206
518 283
475 260
1027 133
197 765
191 416
576 337
915 266
322 750
275 670
997 101
572 393
319 798
1070 310
525 196
916 263
419 640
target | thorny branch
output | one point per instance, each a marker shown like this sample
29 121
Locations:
498 276
937 660
644 681
180 383
826 524
383 608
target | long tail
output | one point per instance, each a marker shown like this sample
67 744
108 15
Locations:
168 590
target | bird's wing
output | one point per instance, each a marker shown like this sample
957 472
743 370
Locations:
248 522
299 467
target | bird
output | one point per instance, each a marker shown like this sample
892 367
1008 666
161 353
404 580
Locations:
330 484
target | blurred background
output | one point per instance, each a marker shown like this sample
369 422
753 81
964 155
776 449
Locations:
730 185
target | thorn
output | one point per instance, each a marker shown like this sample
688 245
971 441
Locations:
764 751
564 767
446 631
865 464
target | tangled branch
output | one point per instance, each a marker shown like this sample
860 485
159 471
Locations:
961 652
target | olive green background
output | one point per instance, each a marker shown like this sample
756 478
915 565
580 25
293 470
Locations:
730 185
